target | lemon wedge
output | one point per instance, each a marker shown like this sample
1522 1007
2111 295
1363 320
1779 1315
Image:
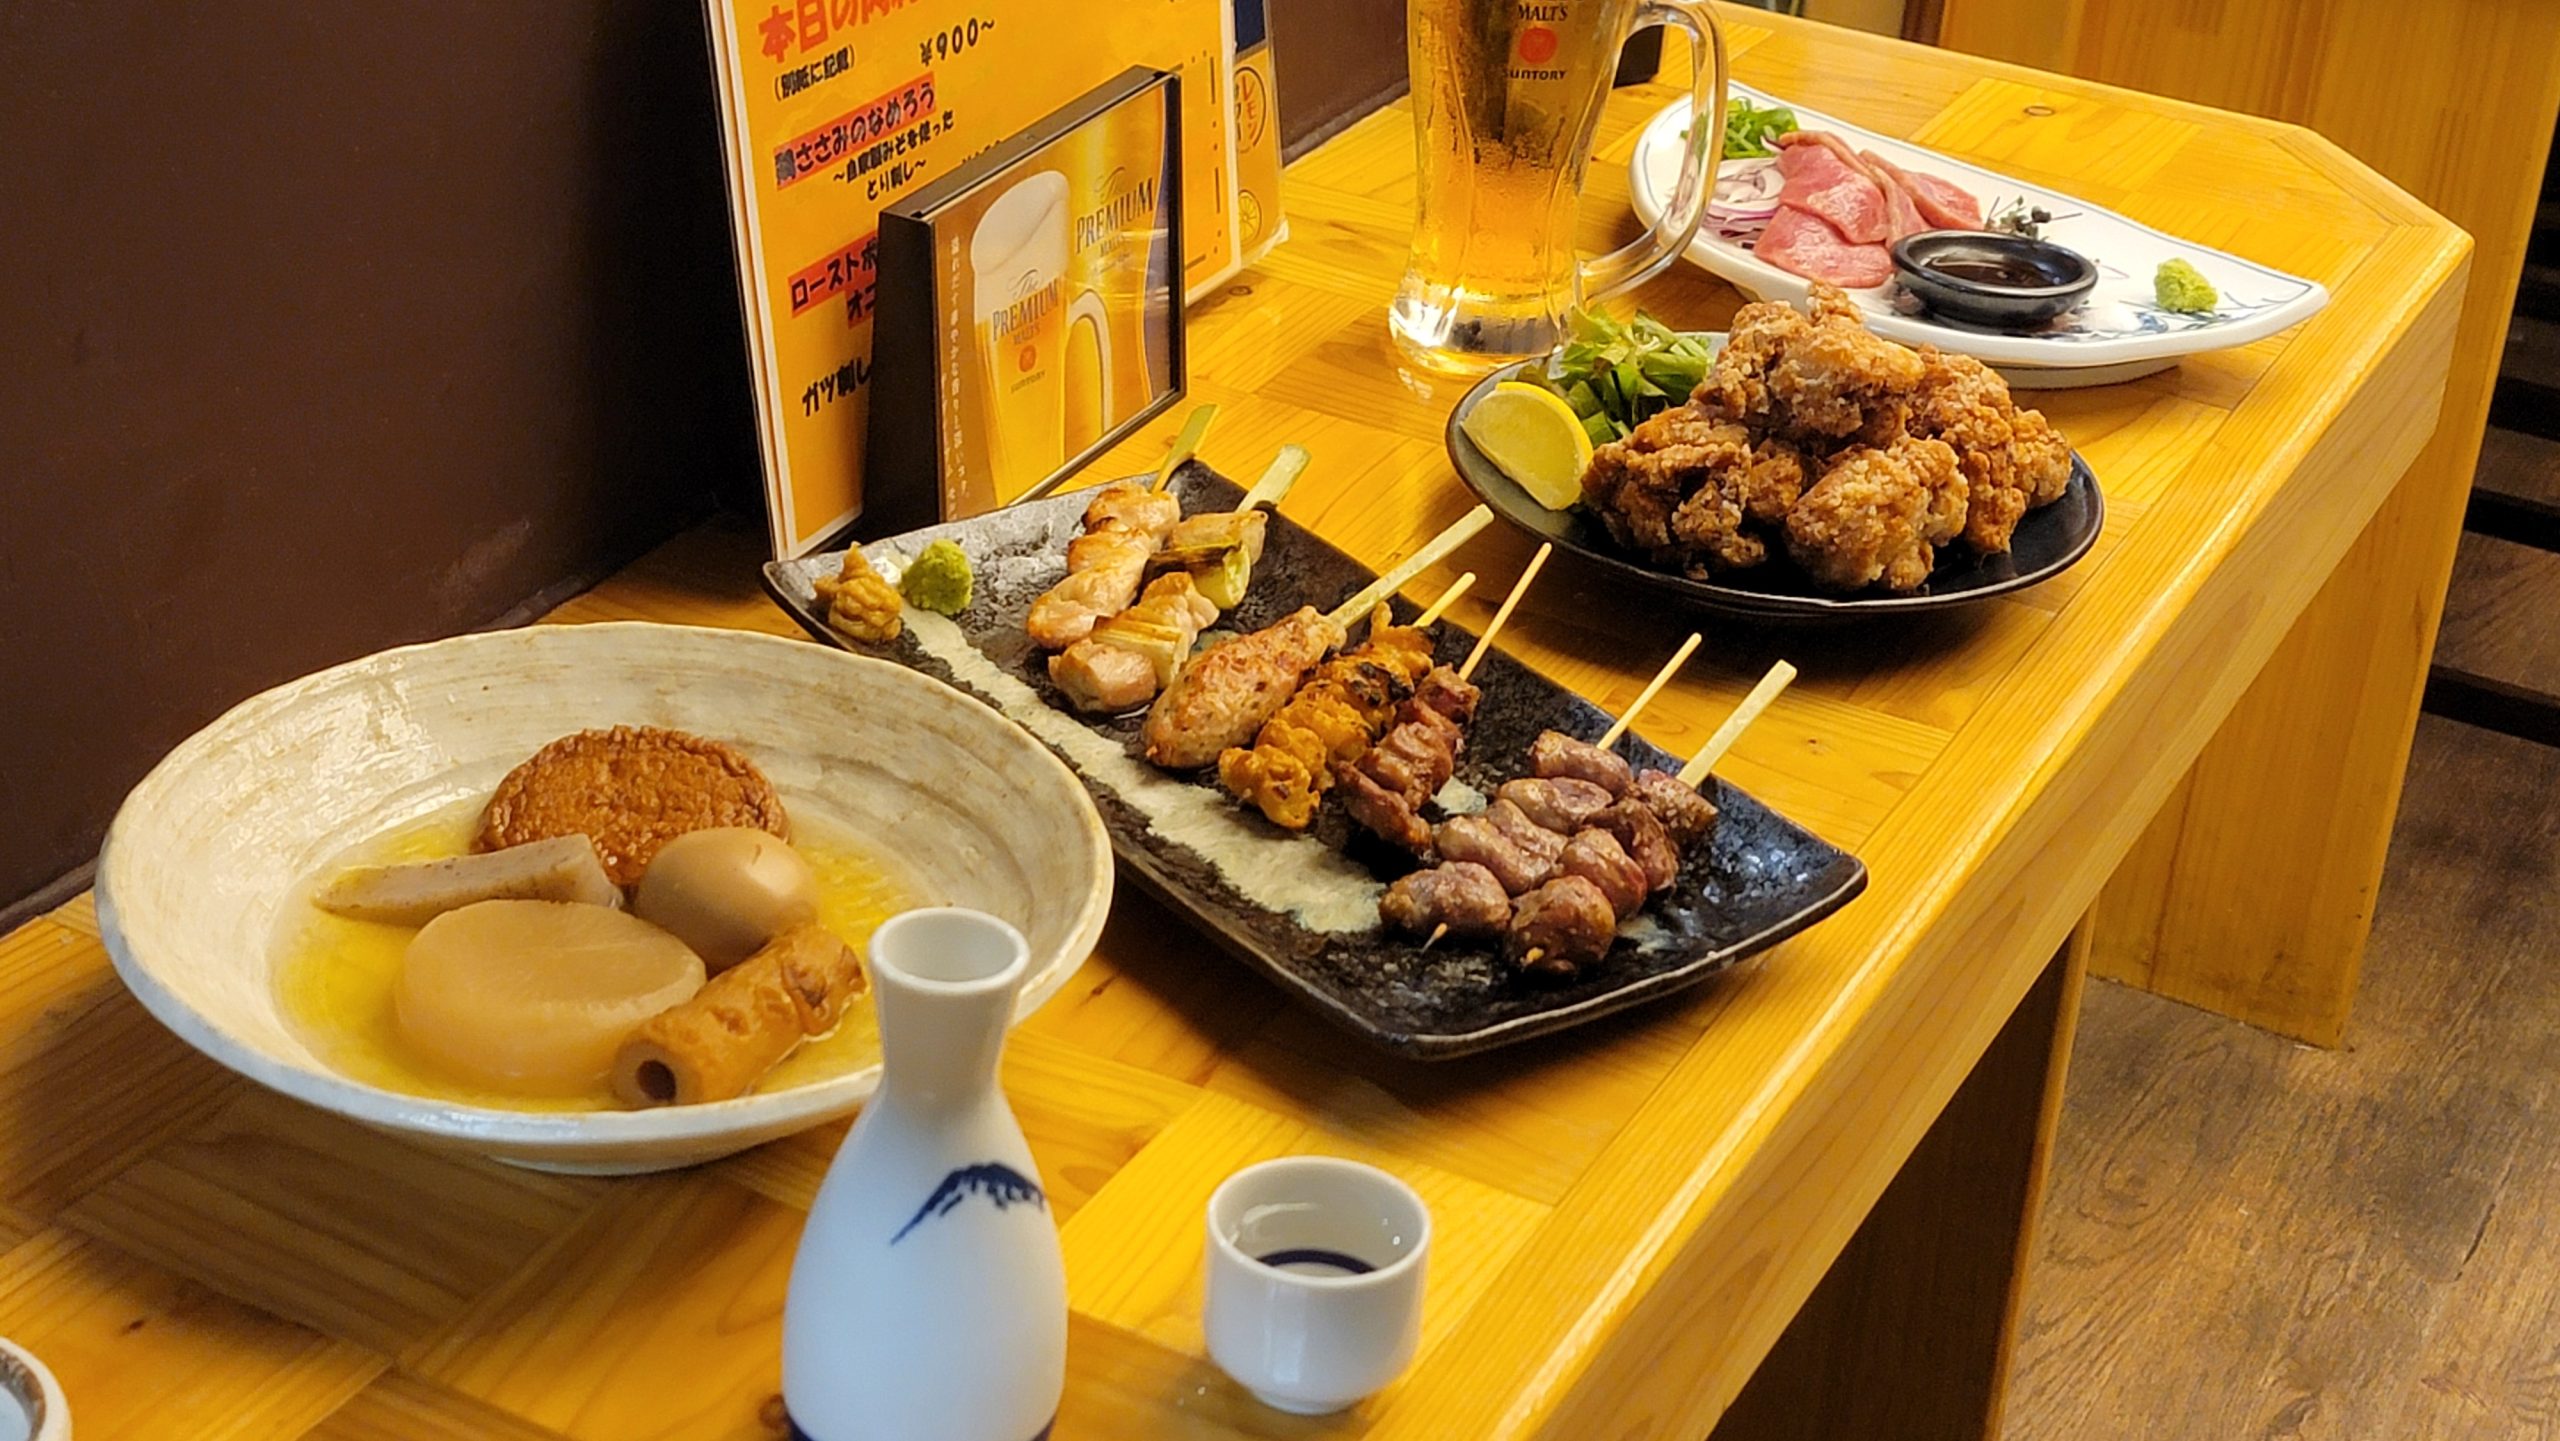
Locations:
1535 438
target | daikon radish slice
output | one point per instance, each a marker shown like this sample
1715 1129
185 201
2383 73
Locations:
726 892
536 996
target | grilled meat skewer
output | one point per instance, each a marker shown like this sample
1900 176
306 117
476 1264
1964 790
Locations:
1128 658
1222 698
1124 524
1557 756
1460 898
1329 722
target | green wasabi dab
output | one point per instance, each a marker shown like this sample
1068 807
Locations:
2181 287
938 579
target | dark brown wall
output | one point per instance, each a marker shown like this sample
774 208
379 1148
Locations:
324 327
1337 60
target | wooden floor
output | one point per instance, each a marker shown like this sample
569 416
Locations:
2247 1238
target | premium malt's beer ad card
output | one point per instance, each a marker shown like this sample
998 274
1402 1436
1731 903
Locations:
1030 307
835 109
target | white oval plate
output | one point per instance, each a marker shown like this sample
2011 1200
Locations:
2117 334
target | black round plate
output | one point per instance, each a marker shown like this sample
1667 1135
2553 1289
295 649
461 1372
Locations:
2047 542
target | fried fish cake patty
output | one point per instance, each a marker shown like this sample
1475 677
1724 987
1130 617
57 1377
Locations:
630 789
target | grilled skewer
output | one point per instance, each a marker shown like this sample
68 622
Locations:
1618 851
1222 698
1125 524
1126 660
1331 719
1385 789
1337 714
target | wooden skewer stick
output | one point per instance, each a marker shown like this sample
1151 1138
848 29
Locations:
1194 430
1652 688
1277 478
1436 933
1501 614
1459 533
1456 589
1735 724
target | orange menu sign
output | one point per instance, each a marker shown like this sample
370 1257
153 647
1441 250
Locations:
834 108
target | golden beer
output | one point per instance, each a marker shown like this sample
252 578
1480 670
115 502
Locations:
1027 316
1506 95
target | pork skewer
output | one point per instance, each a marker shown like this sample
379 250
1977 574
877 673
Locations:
1606 868
1219 548
1221 698
1125 524
1576 852
1569 786
1122 662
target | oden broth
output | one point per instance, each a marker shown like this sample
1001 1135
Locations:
334 975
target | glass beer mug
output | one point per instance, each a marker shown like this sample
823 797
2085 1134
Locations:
1506 95
1026 318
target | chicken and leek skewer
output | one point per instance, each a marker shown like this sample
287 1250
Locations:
1120 663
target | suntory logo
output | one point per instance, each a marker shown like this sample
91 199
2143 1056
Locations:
1122 205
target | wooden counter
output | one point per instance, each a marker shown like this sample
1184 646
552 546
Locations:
1631 1217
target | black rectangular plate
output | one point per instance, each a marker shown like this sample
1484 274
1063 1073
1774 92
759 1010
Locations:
1761 878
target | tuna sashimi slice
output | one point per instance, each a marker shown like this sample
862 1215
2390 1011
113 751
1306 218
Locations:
1802 243
1942 202
1902 211
1819 183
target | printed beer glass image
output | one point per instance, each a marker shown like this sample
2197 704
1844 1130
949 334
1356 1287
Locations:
1506 96
1018 264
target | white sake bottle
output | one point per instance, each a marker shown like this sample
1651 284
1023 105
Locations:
928 1301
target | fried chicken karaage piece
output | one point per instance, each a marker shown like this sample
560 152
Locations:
1675 490
1877 516
2013 459
1821 381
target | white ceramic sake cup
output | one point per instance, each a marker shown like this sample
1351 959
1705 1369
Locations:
31 1401
1315 1280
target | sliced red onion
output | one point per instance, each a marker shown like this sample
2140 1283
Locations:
1746 190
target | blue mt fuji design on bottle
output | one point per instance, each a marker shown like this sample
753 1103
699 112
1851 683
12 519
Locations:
960 1334
994 1180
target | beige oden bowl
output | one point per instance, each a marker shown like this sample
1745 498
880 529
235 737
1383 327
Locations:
970 809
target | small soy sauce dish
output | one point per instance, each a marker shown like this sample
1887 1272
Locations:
1992 279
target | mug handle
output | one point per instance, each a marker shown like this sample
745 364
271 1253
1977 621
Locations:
1640 259
1088 310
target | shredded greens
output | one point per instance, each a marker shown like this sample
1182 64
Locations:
1752 129
1615 375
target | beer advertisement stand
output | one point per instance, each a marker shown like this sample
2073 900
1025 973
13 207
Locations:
837 112
1029 315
